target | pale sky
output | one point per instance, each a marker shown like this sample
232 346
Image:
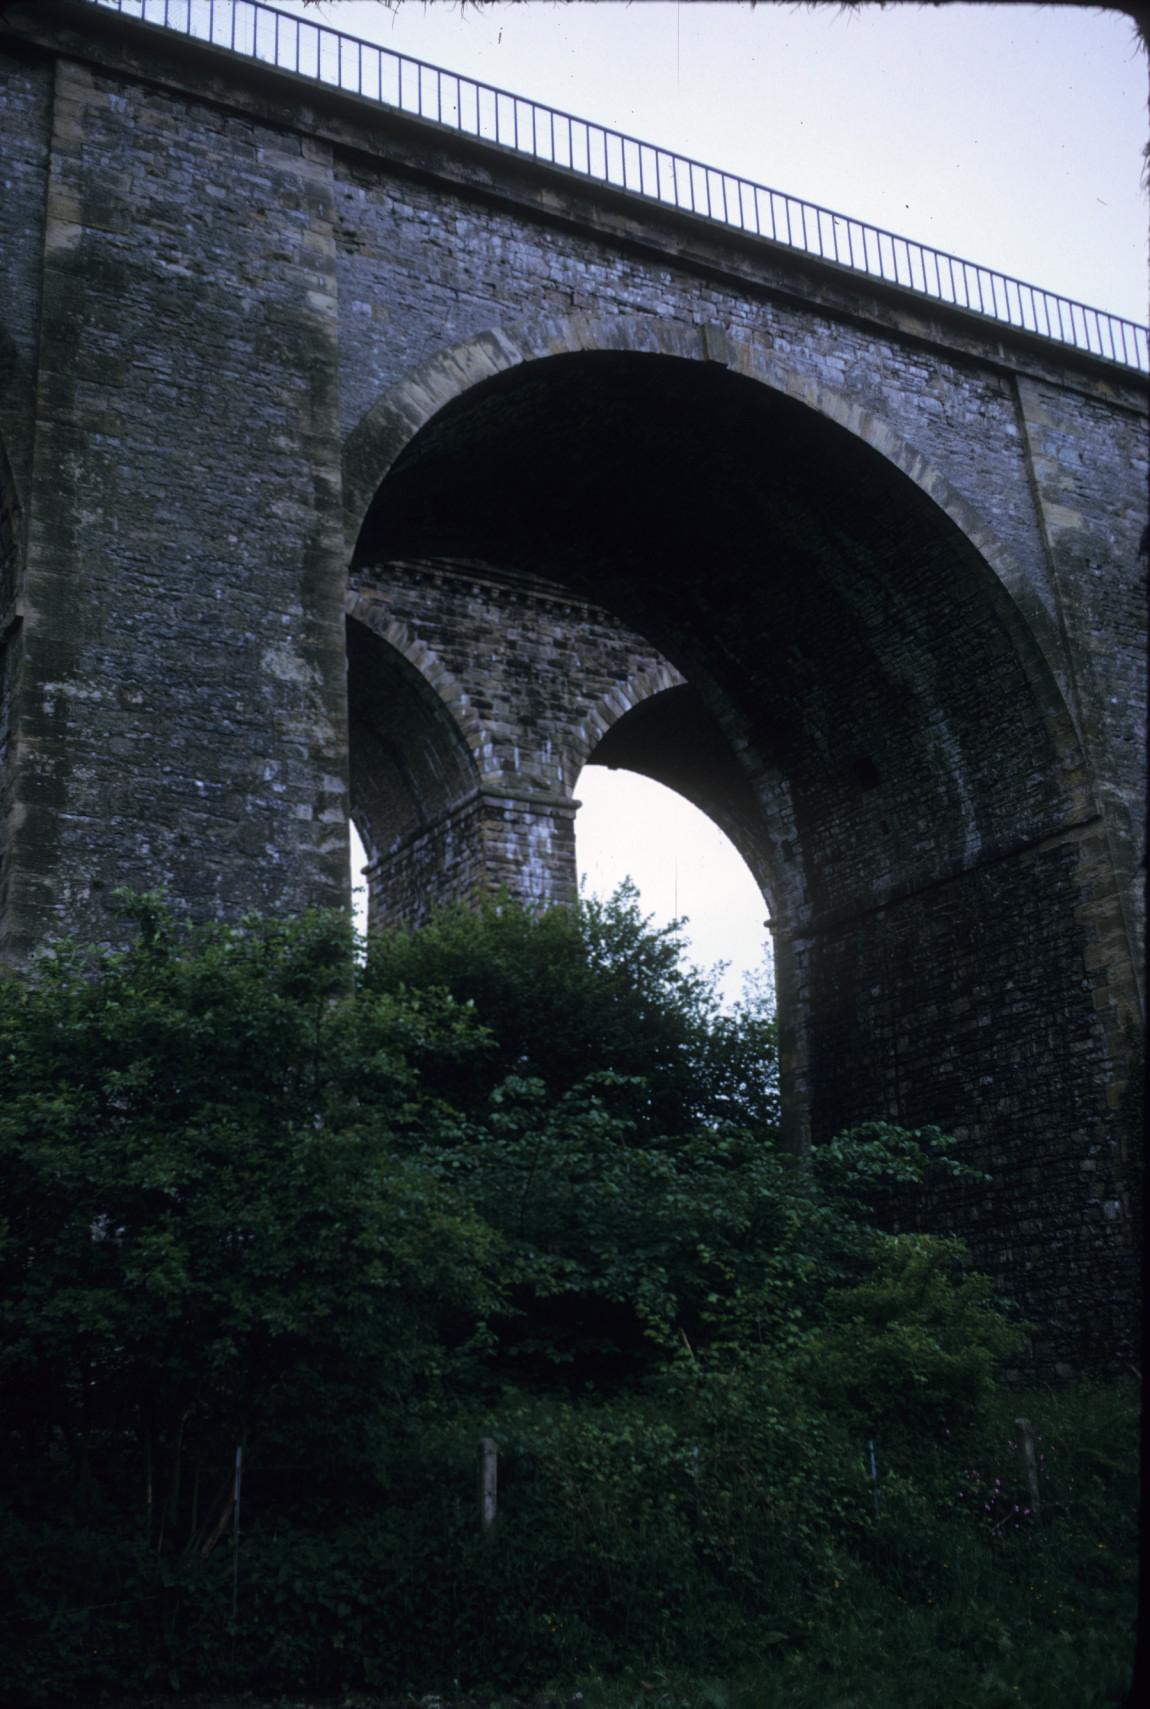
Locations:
1009 135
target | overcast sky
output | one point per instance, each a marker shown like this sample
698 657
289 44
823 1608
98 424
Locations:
1010 135
1007 134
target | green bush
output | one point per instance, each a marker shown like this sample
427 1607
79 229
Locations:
913 1350
517 1179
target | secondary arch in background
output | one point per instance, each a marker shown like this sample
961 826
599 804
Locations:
373 615
410 763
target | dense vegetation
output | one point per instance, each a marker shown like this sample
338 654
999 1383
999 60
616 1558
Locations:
514 1179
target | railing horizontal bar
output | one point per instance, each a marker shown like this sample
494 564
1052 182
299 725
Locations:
617 158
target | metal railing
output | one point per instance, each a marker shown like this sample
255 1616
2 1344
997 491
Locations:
591 151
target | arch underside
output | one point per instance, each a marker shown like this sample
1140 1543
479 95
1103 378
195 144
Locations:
862 710
844 633
408 763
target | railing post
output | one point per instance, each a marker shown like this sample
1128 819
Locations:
1122 334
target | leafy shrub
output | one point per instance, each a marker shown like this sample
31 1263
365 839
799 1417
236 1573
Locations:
517 1179
913 1350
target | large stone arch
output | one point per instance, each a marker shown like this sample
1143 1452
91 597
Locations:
889 690
398 415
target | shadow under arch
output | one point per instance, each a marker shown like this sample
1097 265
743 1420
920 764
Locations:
389 426
412 780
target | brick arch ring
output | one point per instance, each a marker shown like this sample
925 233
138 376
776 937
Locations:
594 725
375 616
608 710
397 416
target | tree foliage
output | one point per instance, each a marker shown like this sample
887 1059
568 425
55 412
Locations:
507 1176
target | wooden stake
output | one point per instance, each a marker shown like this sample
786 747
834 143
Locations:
488 1482
874 1477
236 1531
1029 1460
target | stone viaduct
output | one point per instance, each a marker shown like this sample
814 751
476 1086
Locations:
352 465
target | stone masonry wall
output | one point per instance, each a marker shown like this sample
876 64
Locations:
1090 470
489 844
26 81
224 293
181 719
970 1026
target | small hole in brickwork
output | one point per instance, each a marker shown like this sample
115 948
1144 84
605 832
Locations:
864 771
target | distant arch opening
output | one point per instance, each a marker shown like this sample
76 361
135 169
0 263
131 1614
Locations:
684 866
664 786
673 739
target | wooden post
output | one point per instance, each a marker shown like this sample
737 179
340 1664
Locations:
1029 1460
874 1476
488 1482
239 1472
